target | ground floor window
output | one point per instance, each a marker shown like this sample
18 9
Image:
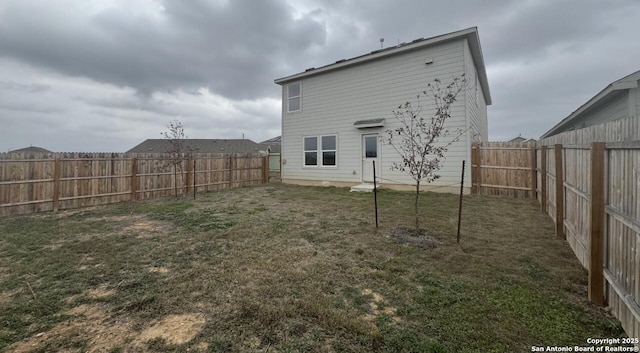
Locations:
321 151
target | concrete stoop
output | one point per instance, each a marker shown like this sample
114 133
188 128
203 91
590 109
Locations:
364 187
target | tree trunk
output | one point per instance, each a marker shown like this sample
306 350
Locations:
416 207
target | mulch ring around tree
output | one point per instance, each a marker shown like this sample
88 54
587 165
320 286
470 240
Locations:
411 236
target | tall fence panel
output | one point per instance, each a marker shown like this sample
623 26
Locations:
46 181
504 168
604 232
587 181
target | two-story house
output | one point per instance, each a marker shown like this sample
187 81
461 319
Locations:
333 116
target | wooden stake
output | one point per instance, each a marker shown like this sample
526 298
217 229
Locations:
375 192
460 204
596 224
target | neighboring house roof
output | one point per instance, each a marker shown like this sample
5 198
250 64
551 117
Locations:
200 146
277 139
613 89
31 149
517 139
471 34
273 144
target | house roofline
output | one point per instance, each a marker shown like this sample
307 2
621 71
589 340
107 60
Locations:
471 34
625 83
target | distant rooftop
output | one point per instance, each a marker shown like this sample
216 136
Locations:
31 149
200 146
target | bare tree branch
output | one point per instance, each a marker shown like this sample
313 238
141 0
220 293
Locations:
422 143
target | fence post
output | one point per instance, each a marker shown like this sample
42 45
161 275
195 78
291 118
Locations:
189 175
596 225
134 178
265 168
559 192
56 184
231 171
534 175
543 179
475 168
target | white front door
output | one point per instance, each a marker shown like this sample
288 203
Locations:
369 155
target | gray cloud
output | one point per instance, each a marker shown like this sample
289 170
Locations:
95 75
230 49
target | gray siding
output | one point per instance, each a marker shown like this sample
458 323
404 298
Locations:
476 109
617 107
333 101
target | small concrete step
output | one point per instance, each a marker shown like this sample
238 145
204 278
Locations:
364 187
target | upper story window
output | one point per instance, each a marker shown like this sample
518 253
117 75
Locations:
294 97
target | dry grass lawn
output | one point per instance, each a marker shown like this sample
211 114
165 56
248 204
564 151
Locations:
283 268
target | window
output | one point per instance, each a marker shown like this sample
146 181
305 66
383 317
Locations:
323 154
310 151
371 146
329 150
294 96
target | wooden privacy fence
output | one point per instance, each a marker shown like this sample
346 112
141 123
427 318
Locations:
587 181
590 191
504 168
42 182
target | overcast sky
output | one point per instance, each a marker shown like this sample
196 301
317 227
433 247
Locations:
103 75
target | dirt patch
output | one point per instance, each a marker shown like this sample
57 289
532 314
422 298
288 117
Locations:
202 347
7 297
410 236
174 329
376 303
103 333
100 292
143 227
92 321
158 269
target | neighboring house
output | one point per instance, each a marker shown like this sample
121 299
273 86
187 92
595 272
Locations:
333 116
31 149
620 99
521 139
273 146
201 146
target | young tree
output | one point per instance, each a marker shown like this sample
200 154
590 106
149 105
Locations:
179 151
422 142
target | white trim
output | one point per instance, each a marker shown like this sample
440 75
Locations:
304 153
319 150
363 153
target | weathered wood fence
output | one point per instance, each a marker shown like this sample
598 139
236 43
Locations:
42 182
504 168
587 181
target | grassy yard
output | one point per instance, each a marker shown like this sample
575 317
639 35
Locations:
292 269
